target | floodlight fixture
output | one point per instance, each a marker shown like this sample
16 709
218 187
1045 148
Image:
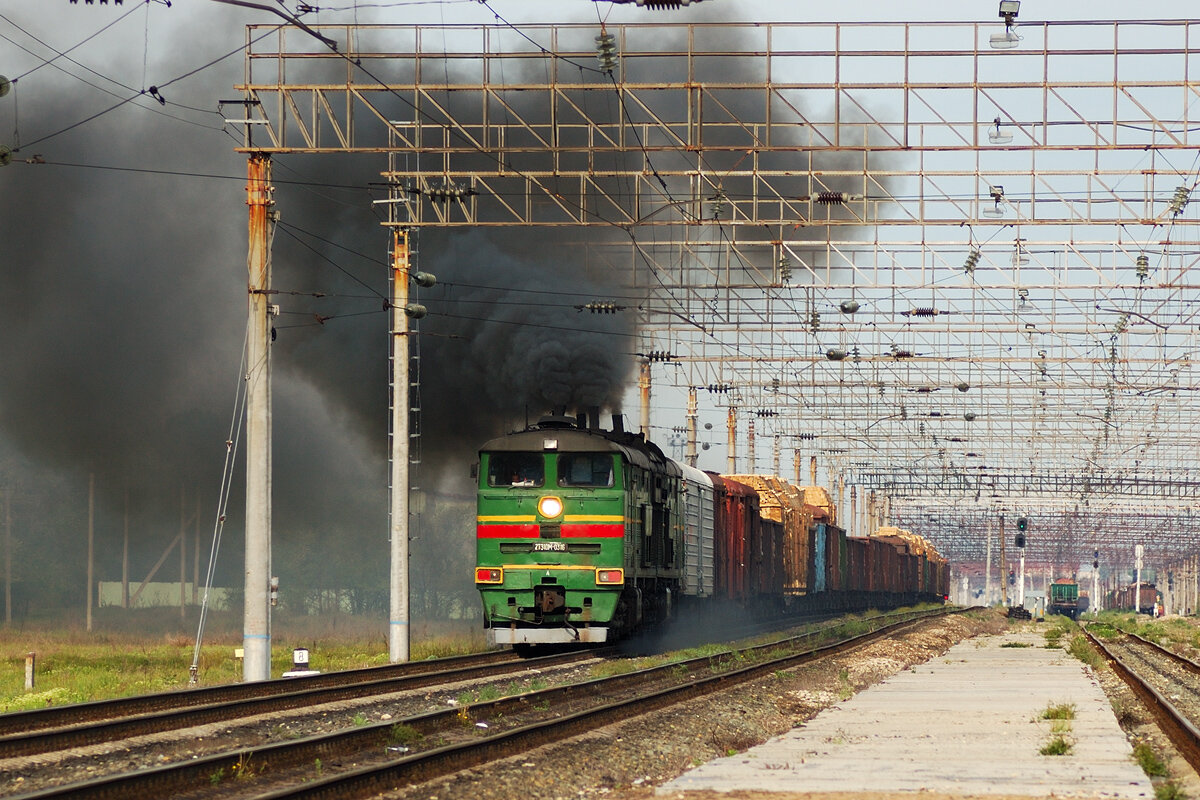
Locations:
998 136
997 193
1005 41
1009 39
1020 254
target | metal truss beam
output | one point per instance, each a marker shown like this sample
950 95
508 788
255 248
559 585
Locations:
948 271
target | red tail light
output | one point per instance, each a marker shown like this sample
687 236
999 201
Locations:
610 576
489 575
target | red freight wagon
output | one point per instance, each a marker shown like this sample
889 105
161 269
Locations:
736 517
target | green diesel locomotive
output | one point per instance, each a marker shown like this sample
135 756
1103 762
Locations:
577 533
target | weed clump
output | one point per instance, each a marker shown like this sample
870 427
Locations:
1059 711
1149 761
1057 746
1082 649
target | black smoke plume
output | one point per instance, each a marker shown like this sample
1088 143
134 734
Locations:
123 296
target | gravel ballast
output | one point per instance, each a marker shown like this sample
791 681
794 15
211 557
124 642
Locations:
627 761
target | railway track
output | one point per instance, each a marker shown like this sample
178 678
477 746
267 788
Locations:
428 745
1167 684
54 729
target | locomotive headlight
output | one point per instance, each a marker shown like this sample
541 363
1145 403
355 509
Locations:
550 506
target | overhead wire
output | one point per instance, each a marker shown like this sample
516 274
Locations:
141 93
63 54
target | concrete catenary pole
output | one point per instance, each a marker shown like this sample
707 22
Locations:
398 629
125 556
1138 552
256 617
644 387
1021 590
183 521
8 556
751 458
987 583
840 511
1003 566
692 457
731 456
91 550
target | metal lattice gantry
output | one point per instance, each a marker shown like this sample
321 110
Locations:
962 276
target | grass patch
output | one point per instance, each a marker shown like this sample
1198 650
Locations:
1149 761
1016 644
845 690
1082 649
1168 790
121 659
1126 715
1057 746
1059 711
404 735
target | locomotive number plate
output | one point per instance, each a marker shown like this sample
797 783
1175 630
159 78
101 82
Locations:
556 547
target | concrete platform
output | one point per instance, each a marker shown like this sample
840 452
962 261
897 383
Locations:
966 723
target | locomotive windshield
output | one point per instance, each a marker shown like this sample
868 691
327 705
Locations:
516 469
585 469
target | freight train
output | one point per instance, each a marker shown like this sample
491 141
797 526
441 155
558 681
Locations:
1126 598
590 535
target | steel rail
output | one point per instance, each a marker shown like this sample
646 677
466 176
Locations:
275 758
288 694
369 781
58 716
1186 663
1182 733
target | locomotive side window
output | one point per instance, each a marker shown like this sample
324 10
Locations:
585 469
516 469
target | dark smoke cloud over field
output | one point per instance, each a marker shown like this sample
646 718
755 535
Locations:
123 295
123 302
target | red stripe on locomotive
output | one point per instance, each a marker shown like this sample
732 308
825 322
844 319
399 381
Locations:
596 530
527 531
